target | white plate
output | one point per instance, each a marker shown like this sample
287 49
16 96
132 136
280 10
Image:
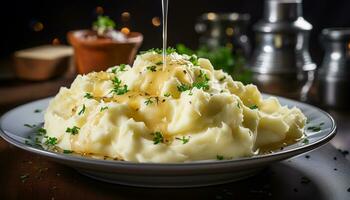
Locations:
191 174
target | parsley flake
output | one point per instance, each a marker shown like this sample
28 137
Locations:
67 151
88 96
148 101
253 107
74 130
119 89
316 128
29 126
183 87
41 131
51 141
37 111
222 79
103 108
219 157
306 141
82 111
151 68
184 139
167 94
157 137
159 63
201 85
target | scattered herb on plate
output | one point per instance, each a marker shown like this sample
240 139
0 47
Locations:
67 151
51 141
37 111
219 157
29 126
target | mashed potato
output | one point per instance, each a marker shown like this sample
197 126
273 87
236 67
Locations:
184 111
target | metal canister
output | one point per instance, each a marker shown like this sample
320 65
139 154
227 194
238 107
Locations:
333 77
281 62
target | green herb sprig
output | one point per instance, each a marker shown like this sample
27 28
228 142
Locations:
103 24
118 88
74 130
82 111
184 139
157 137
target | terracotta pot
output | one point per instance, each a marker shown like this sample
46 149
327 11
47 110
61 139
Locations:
101 53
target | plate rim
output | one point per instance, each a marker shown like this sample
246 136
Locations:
280 155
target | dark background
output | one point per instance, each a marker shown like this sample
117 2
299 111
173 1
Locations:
59 16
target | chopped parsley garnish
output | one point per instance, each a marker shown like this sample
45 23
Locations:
37 110
51 141
315 128
67 151
184 139
201 85
159 63
157 137
152 68
148 101
121 68
306 141
253 107
41 131
238 105
29 126
88 96
167 94
219 157
103 108
119 89
222 79
74 130
82 111
183 87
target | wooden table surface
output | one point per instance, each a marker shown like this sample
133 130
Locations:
24 175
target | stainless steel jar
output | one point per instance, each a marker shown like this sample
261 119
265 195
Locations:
281 63
334 74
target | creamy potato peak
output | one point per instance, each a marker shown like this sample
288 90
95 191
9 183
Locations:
185 111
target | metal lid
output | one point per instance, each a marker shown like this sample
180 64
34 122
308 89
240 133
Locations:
282 16
282 10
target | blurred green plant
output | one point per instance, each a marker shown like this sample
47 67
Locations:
221 58
103 24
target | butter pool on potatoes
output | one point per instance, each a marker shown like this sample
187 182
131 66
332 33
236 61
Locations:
200 113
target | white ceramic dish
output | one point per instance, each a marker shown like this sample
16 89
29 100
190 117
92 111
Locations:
192 174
